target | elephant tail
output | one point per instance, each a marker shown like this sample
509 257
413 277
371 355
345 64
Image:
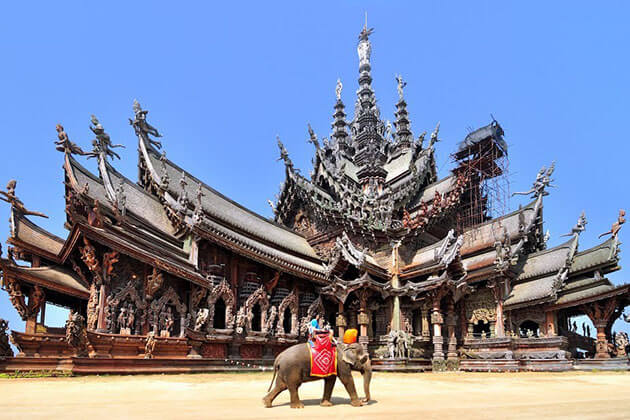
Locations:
275 371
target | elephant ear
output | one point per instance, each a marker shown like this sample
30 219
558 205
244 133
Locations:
349 355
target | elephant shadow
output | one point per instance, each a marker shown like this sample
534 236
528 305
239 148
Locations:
335 400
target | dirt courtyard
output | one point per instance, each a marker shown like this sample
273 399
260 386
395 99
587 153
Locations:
234 396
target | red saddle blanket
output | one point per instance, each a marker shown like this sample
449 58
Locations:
323 356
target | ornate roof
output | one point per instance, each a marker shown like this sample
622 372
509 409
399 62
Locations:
368 172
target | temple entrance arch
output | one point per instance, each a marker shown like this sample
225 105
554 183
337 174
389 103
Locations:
167 315
288 313
223 312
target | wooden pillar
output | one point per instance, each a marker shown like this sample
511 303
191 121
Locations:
551 323
438 341
425 323
451 321
341 321
101 323
396 319
601 345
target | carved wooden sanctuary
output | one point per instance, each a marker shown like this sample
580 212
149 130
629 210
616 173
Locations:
166 274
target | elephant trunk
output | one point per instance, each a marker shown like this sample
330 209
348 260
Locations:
367 378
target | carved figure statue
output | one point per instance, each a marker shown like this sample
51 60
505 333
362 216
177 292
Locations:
76 334
621 343
392 343
5 347
401 85
338 89
65 145
10 197
131 318
579 227
149 347
102 144
401 345
201 318
271 320
141 125
616 227
154 282
166 322
121 321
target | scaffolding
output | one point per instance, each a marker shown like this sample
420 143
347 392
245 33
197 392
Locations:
483 158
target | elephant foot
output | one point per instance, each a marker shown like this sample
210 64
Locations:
297 405
326 403
365 400
266 402
356 403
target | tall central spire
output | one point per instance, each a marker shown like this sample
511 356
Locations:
365 95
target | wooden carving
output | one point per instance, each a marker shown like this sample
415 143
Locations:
76 334
88 256
154 283
291 302
223 291
17 297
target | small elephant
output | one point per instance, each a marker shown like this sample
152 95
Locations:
292 367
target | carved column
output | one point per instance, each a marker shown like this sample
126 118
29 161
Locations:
451 321
363 319
396 324
425 323
101 323
601 314
497 287
437 320
341 321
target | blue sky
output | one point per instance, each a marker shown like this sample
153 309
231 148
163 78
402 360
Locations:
221 80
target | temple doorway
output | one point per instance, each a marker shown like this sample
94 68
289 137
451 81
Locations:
256 318
286 321
219 314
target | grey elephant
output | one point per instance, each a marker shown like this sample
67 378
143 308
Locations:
292 367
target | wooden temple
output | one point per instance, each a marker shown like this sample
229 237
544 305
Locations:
168 275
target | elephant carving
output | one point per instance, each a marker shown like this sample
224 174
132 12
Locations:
292 368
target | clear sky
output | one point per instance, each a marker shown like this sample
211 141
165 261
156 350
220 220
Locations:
222 79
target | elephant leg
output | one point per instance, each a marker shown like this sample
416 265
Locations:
329 384
271 395
348 382
295 398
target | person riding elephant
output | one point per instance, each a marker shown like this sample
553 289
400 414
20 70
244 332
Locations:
292 367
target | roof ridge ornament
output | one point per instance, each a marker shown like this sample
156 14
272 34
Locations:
102 144
434 135
284 155
543 180
616 227
65 145
17 204
579 227
142 127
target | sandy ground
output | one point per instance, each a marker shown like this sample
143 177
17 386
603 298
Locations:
428 395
